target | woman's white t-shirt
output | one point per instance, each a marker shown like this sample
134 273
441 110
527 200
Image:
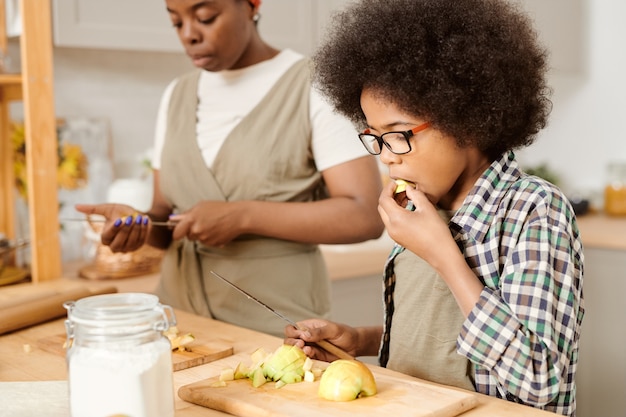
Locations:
226 97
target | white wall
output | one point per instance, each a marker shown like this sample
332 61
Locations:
123 86
587 128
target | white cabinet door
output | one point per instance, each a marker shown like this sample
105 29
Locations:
289 24
563 29
601 375
114 24
145 24
325 9
296 24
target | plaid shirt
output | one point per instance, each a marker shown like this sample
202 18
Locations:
519 235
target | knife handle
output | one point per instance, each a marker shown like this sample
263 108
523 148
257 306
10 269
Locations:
327 346
330 348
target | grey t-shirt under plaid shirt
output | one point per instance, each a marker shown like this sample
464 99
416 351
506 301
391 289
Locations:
519 235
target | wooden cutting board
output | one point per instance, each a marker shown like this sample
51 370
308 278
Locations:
201 352
397 396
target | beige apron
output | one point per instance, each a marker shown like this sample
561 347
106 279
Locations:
266 157
426 323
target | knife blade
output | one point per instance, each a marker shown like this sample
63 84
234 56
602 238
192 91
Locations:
76 219
324 344
256 300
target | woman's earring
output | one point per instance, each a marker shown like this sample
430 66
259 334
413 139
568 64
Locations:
256 17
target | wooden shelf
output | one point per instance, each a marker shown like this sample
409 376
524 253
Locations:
34 87
10 79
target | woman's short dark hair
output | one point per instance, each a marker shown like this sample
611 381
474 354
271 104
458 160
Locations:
473 68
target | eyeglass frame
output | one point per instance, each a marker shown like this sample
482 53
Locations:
407 134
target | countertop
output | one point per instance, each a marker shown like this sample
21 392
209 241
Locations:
39 377
603 232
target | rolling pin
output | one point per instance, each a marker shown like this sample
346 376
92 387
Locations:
40 309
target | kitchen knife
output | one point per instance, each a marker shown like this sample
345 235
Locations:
340 353
75 219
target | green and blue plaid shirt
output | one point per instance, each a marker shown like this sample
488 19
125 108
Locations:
519 235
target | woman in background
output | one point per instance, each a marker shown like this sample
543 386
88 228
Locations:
255 170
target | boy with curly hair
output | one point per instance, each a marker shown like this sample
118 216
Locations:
483 289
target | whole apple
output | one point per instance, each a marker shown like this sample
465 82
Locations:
346 380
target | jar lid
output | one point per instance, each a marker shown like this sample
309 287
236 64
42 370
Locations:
121 308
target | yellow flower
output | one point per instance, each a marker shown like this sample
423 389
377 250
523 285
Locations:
72 168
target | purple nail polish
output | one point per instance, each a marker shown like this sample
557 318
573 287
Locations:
145 220
129 220
117 223
138 220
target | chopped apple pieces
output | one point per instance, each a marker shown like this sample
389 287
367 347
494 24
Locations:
308 364
309 376
258 356
257 377
241 371
287 365
227 374
179 342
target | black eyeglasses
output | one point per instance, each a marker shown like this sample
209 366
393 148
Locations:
396 142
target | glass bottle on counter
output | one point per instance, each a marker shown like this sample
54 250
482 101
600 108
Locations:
615 190
119 361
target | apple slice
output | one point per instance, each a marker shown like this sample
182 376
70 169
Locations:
401 185
177 340
227 374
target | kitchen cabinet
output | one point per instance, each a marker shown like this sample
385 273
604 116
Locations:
114 24
145 24
601 375
565 38
34 87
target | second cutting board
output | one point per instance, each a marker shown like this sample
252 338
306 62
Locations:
199 352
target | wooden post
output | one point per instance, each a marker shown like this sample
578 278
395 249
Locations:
41 139
7 179
3 29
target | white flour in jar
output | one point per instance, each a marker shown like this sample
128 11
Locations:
131 380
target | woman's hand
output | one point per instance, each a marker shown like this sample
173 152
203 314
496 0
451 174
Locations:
313 330
212 223
125 230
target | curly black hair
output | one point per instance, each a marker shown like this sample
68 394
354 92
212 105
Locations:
473 68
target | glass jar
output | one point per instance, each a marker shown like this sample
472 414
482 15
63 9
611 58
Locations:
119 361
615 190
